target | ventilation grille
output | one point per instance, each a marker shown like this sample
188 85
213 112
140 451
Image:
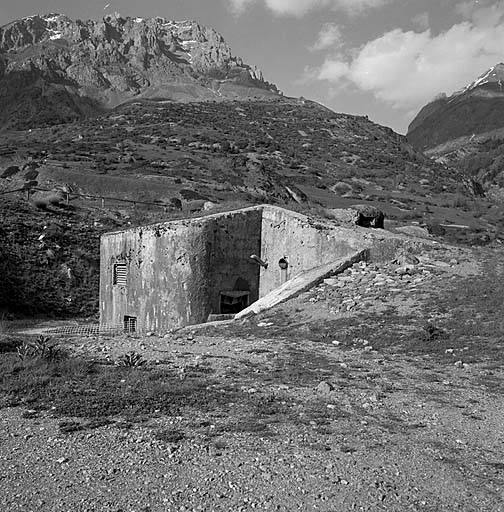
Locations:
130 323
120 274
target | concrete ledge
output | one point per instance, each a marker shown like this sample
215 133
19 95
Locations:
302 282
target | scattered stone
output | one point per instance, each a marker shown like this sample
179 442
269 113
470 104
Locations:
324 387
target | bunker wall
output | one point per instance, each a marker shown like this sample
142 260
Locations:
302 243
175 271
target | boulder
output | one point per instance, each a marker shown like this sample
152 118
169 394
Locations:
368 216
324 387
359 215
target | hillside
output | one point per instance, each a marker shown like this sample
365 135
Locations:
172 160
126 121
466 132
54 69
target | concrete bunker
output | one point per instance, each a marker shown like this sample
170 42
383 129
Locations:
171 274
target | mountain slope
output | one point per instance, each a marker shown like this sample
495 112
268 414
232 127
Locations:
466 131
54 69
478 108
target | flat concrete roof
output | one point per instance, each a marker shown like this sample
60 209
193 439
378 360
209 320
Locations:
203 218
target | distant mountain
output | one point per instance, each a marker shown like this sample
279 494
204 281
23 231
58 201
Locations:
476 109
54 69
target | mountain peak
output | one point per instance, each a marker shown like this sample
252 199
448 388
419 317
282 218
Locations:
493 75
51 58
475 109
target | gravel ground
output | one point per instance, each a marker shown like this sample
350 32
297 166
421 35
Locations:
353 424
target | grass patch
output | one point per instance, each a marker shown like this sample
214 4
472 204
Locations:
83 389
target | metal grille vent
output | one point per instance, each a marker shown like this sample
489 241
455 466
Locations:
120 274
130 323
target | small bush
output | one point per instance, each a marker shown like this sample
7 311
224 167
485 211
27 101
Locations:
42 348
40 203
131 360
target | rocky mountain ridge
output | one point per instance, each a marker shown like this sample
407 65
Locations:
477 108
54 69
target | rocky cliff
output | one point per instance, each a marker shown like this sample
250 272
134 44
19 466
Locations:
54 69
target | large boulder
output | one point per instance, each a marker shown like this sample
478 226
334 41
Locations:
359 215
368 216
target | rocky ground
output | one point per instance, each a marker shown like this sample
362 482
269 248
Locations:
381 389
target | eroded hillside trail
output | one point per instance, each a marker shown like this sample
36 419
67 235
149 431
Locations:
381 389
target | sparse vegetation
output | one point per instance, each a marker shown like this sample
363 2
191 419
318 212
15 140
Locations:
131 360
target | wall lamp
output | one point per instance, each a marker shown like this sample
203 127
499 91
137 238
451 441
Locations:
258 260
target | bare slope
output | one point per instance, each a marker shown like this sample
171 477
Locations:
393 405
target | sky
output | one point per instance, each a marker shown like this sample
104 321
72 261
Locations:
381 58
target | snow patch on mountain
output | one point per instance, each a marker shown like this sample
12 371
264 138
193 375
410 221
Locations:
493 75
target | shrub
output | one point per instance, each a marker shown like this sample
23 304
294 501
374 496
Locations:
40 203
41 348
131 360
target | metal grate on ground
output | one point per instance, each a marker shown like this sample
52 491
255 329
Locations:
92 330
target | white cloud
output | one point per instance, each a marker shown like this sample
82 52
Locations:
407 69
329 36
482 12
239 6
301 7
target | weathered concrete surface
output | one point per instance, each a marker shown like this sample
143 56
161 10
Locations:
176 270
302 282
303 242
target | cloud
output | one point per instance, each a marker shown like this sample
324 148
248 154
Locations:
301 7
329 37
482 12
239 6
406 69
421 21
